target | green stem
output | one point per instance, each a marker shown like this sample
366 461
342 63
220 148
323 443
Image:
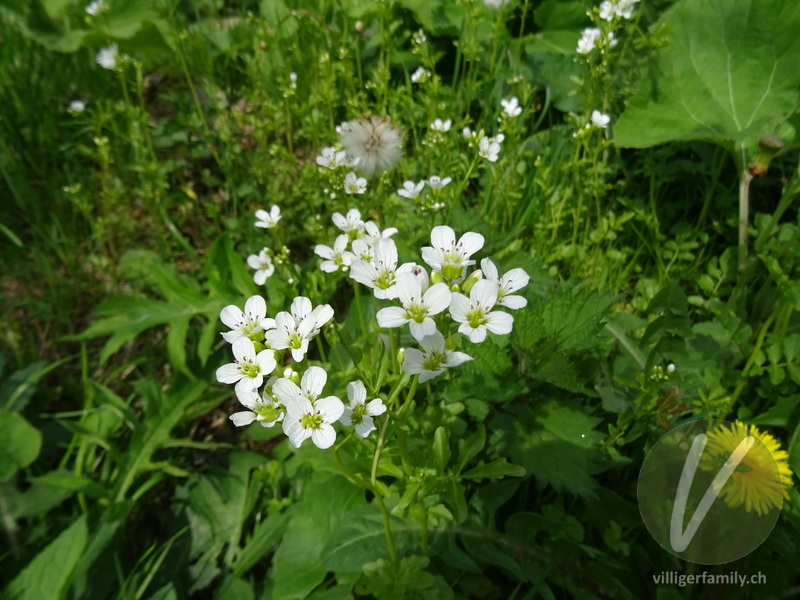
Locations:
744 207
387 527
423 521
756 349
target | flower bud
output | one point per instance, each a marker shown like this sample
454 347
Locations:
291 375
476 276
768 147
436 277
401 355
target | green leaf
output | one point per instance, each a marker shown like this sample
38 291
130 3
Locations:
467 449
360 538
49 573
21 443
497 469
728 74
441 448
265 535
457 500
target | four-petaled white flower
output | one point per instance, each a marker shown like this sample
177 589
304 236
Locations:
437 182
354 184
513 280
336 257
589 37
244 324
511 107
373 142
489 147
448 256
248 369
305 420
418 306
330 159
372 233
107 57
410 189
360 413
600 120
443 126
262 263
268 220
474 313
381 273
263 409
607 10
288 334
434 360
421 75
351 222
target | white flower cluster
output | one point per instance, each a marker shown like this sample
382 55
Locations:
359 235
591 38
411 191
263 261
258 343
611 9
425 299
488 146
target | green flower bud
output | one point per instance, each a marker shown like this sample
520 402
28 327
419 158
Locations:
768 147
401 355
476 276
436 277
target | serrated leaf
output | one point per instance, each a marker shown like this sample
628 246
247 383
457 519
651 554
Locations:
728 74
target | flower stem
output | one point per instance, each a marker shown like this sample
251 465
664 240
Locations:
423 521
387 527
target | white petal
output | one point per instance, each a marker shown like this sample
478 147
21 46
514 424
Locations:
260 277
456 358
489 270
512 302
420 331
232 316
365 427
328 266
393 316
324 437
229 373
428 375
499 322
266 361
277 338
301 306
299 354
322 314
471 242
459 306
364 273
346 419
476 336
313 381
295 431
384 253
356 392
232 336
433 343
340 244
331 408
255 308
323 251
514 280
484 292
250 399
437 298
443 237
412 361
432 257
248 384
409 289
286 390
375 407
240 419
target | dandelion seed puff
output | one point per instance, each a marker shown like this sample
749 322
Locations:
373 142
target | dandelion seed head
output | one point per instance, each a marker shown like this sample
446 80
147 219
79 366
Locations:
373 142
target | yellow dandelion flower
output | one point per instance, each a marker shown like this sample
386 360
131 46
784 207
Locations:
761 480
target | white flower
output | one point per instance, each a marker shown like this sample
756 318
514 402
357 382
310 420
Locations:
244 324
624 8
361 251
418 307
263 409
513 280
589 36
600 120
95 7
288 334
449 257
336 257
437 182
443 126
421 75
107 57
359 413
410 189
612 41
489 148
420 37
354 184
474 312
262 263
373 142
466 132
381 273
671 368
511 107
607 10
372 234
301 308
248 369
330 159
268 220
305 420
77 106
434 360
351 222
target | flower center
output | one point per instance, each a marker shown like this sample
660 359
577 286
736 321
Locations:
295 341
477 317
385 279
311 420
433 362
249 369
452 271
267 413
417 312
359 410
